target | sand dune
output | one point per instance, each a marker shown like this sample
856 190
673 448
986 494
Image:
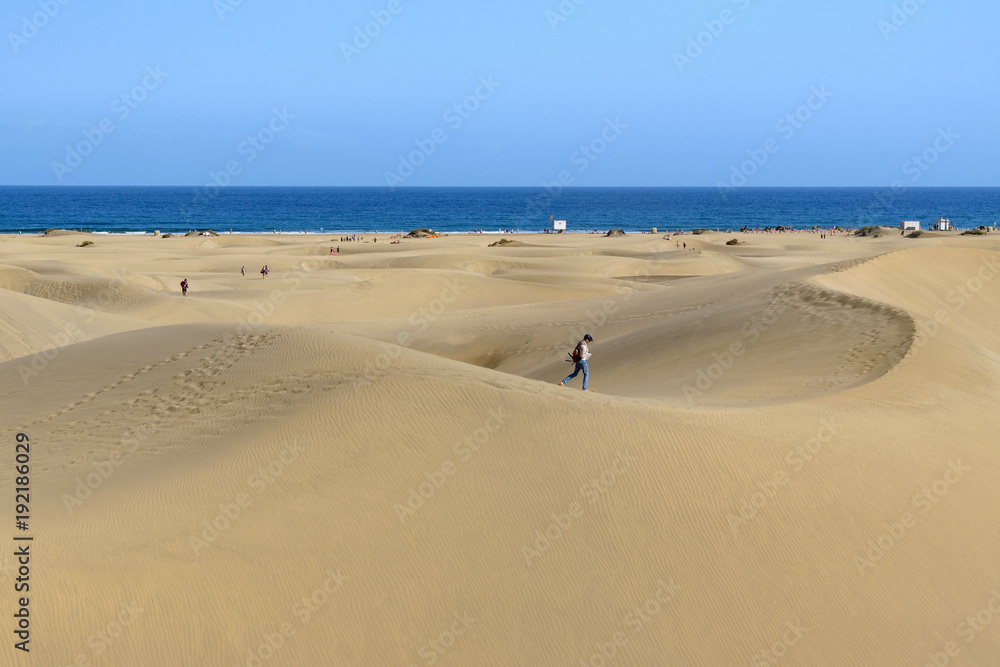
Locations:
789 457
31 326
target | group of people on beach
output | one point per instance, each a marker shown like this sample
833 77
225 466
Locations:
824 233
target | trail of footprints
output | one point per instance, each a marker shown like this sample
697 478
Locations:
888 338
848 264
177 408
114 385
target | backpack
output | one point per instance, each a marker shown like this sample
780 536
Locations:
576 355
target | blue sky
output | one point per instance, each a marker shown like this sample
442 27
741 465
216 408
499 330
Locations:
596 93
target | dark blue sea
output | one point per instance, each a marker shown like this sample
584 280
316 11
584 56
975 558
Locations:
454 210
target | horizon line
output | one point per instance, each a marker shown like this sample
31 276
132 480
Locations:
512 187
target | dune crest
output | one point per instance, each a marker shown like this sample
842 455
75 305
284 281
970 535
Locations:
789 456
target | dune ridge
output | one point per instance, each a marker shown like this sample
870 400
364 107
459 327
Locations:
358 462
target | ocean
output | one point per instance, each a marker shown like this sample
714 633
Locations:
137 210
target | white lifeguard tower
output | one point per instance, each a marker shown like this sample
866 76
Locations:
910 226
942 225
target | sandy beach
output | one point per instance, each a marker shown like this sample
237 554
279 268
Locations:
788 457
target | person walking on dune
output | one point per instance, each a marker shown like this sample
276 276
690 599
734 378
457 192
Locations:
579 357
184 287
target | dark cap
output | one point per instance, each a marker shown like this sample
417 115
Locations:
588 337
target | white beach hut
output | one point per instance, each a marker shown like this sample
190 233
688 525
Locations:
942 224
910 226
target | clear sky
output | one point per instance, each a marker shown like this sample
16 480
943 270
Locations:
295 93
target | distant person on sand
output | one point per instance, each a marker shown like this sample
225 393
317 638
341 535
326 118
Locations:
579 357
243 270
184 287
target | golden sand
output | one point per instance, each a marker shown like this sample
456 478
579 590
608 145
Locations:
789 456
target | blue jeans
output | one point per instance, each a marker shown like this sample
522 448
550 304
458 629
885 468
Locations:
580 366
